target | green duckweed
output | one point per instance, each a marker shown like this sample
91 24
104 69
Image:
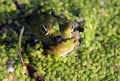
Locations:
98 54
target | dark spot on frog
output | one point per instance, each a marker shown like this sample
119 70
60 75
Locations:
74 41
58 39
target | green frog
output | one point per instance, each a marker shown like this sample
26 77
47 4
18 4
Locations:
59 41
70 40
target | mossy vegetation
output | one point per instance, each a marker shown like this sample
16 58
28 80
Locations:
98 57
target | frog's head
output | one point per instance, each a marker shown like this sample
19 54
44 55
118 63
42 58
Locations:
53 38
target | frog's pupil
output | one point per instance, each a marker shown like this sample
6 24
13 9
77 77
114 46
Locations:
43 29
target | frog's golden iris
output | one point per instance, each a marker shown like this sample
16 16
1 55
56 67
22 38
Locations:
59 41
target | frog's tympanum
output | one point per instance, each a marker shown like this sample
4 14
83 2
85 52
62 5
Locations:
59 40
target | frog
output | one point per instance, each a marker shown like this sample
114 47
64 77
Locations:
70 40
61 41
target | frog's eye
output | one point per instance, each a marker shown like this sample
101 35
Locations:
73 29
45 30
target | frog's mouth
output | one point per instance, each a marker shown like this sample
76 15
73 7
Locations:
61 46
56 40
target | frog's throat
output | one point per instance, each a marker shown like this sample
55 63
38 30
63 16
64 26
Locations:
61 53
70 50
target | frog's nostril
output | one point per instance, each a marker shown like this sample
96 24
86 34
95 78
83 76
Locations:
58 39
